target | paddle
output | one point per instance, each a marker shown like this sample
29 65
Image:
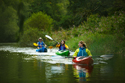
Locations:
102 56
35 44
50 38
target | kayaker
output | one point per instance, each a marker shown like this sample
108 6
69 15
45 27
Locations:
41 43
62 46
82 50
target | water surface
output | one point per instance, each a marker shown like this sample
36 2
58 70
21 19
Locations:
24 65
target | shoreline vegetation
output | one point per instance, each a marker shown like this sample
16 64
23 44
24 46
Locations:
101 24
105 35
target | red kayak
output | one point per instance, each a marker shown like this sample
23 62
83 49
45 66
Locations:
83 60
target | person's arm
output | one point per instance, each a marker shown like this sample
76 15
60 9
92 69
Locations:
44 45
88 52
76 52
66 46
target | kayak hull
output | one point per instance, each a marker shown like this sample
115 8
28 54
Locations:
41 50
63 53
86 60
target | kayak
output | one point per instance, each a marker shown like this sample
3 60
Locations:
43 49
63 53
83 60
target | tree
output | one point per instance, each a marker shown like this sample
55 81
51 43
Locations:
39 20
81 9
8 23
57 9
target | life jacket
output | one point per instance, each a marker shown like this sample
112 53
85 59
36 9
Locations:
82 52
62 47
40 43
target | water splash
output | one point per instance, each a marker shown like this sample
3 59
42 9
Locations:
50 56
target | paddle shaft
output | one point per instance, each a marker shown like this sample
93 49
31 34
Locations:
53 39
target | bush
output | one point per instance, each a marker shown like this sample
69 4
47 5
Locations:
39 20
31 36
38 25
109 25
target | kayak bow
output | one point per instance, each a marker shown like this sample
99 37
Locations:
83 60
63 53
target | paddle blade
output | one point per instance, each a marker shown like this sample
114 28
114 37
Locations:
50 47
48 37
58 45
35 44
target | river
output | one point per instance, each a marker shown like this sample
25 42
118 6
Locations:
25 65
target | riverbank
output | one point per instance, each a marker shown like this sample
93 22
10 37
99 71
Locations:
103 35
98 44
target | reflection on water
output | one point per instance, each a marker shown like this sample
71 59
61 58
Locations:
82 72
24 65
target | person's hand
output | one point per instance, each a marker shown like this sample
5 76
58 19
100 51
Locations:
45 46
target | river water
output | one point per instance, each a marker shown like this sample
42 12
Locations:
25 65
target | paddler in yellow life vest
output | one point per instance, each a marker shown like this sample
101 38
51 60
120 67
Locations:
62 46
82 50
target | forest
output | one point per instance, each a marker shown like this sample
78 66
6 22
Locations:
100 23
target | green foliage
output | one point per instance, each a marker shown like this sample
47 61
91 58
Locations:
30 36
98 44
39 20
8 24
81 9
55 8
38 25
109 25
103 35
13 14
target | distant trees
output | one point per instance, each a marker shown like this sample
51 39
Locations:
65 14
8 23
79 10
12 16
57 9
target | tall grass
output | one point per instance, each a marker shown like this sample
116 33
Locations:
98 44
103 35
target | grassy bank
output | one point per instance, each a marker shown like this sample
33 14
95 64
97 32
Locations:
103 35
99 44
